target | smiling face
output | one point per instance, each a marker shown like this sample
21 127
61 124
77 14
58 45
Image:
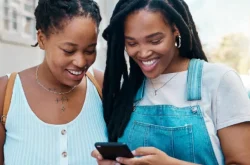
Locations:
150 41
70 51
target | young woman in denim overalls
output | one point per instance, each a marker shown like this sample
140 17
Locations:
173 107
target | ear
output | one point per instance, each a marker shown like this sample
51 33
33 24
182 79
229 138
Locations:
175 30
41 39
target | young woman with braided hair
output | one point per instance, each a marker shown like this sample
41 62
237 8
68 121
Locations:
172 106
55 115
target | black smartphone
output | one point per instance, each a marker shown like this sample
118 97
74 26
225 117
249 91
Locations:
112 150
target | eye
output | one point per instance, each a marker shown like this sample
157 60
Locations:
155 42
69 51
131 44
91 52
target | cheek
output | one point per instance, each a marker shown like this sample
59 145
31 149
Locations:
166 49
91 59
56 58
52 51
131 52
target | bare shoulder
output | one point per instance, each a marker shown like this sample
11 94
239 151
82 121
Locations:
26 74
3 85
99 76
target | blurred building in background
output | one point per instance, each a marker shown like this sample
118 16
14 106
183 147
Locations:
222 25
17 33
106 7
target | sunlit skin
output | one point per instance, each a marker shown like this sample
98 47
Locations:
150 41
68 52
72 49
153 46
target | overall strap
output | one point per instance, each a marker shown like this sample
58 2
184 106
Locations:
140 92
8 96
194 79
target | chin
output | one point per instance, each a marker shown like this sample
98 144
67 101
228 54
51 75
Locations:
72 83
151 75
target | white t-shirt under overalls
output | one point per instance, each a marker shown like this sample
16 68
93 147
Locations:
176 123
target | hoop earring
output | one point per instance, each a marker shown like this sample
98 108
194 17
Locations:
178 42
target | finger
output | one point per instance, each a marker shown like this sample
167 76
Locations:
107 162
127 161
96 155
144 151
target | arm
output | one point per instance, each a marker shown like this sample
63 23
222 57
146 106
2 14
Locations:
3 84
151 156
232 108
235 143
233 115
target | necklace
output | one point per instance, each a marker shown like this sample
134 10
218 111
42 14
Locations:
156 90
53 90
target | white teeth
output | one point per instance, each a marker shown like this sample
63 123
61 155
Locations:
148 63
75 72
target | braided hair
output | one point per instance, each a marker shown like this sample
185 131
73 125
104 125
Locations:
118 98
51 15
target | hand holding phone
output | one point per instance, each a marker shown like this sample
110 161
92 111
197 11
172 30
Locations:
112 150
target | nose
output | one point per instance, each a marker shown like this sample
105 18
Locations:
144 52
80 60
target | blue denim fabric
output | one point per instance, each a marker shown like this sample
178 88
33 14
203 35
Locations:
179 132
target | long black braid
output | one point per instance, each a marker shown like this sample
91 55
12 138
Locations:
118 96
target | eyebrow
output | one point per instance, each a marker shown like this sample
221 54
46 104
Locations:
149 36
154 34
70 44
73 44
92 45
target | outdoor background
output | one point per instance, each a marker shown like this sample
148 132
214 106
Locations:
223 26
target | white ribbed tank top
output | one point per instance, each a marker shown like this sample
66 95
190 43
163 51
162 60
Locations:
30 141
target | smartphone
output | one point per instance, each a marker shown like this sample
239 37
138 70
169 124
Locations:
112 150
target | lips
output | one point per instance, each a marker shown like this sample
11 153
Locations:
149 65
76 73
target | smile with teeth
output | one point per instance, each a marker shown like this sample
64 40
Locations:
76 73
149 63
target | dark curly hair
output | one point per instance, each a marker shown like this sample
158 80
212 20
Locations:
51 14
117 99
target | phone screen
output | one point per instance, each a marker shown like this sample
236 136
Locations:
112 150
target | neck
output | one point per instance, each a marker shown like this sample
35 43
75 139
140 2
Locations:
178 64
47 79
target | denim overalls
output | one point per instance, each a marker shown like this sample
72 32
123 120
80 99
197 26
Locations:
178 131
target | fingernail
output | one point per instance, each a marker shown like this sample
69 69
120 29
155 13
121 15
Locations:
118 159
99 157
133 152
117 163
